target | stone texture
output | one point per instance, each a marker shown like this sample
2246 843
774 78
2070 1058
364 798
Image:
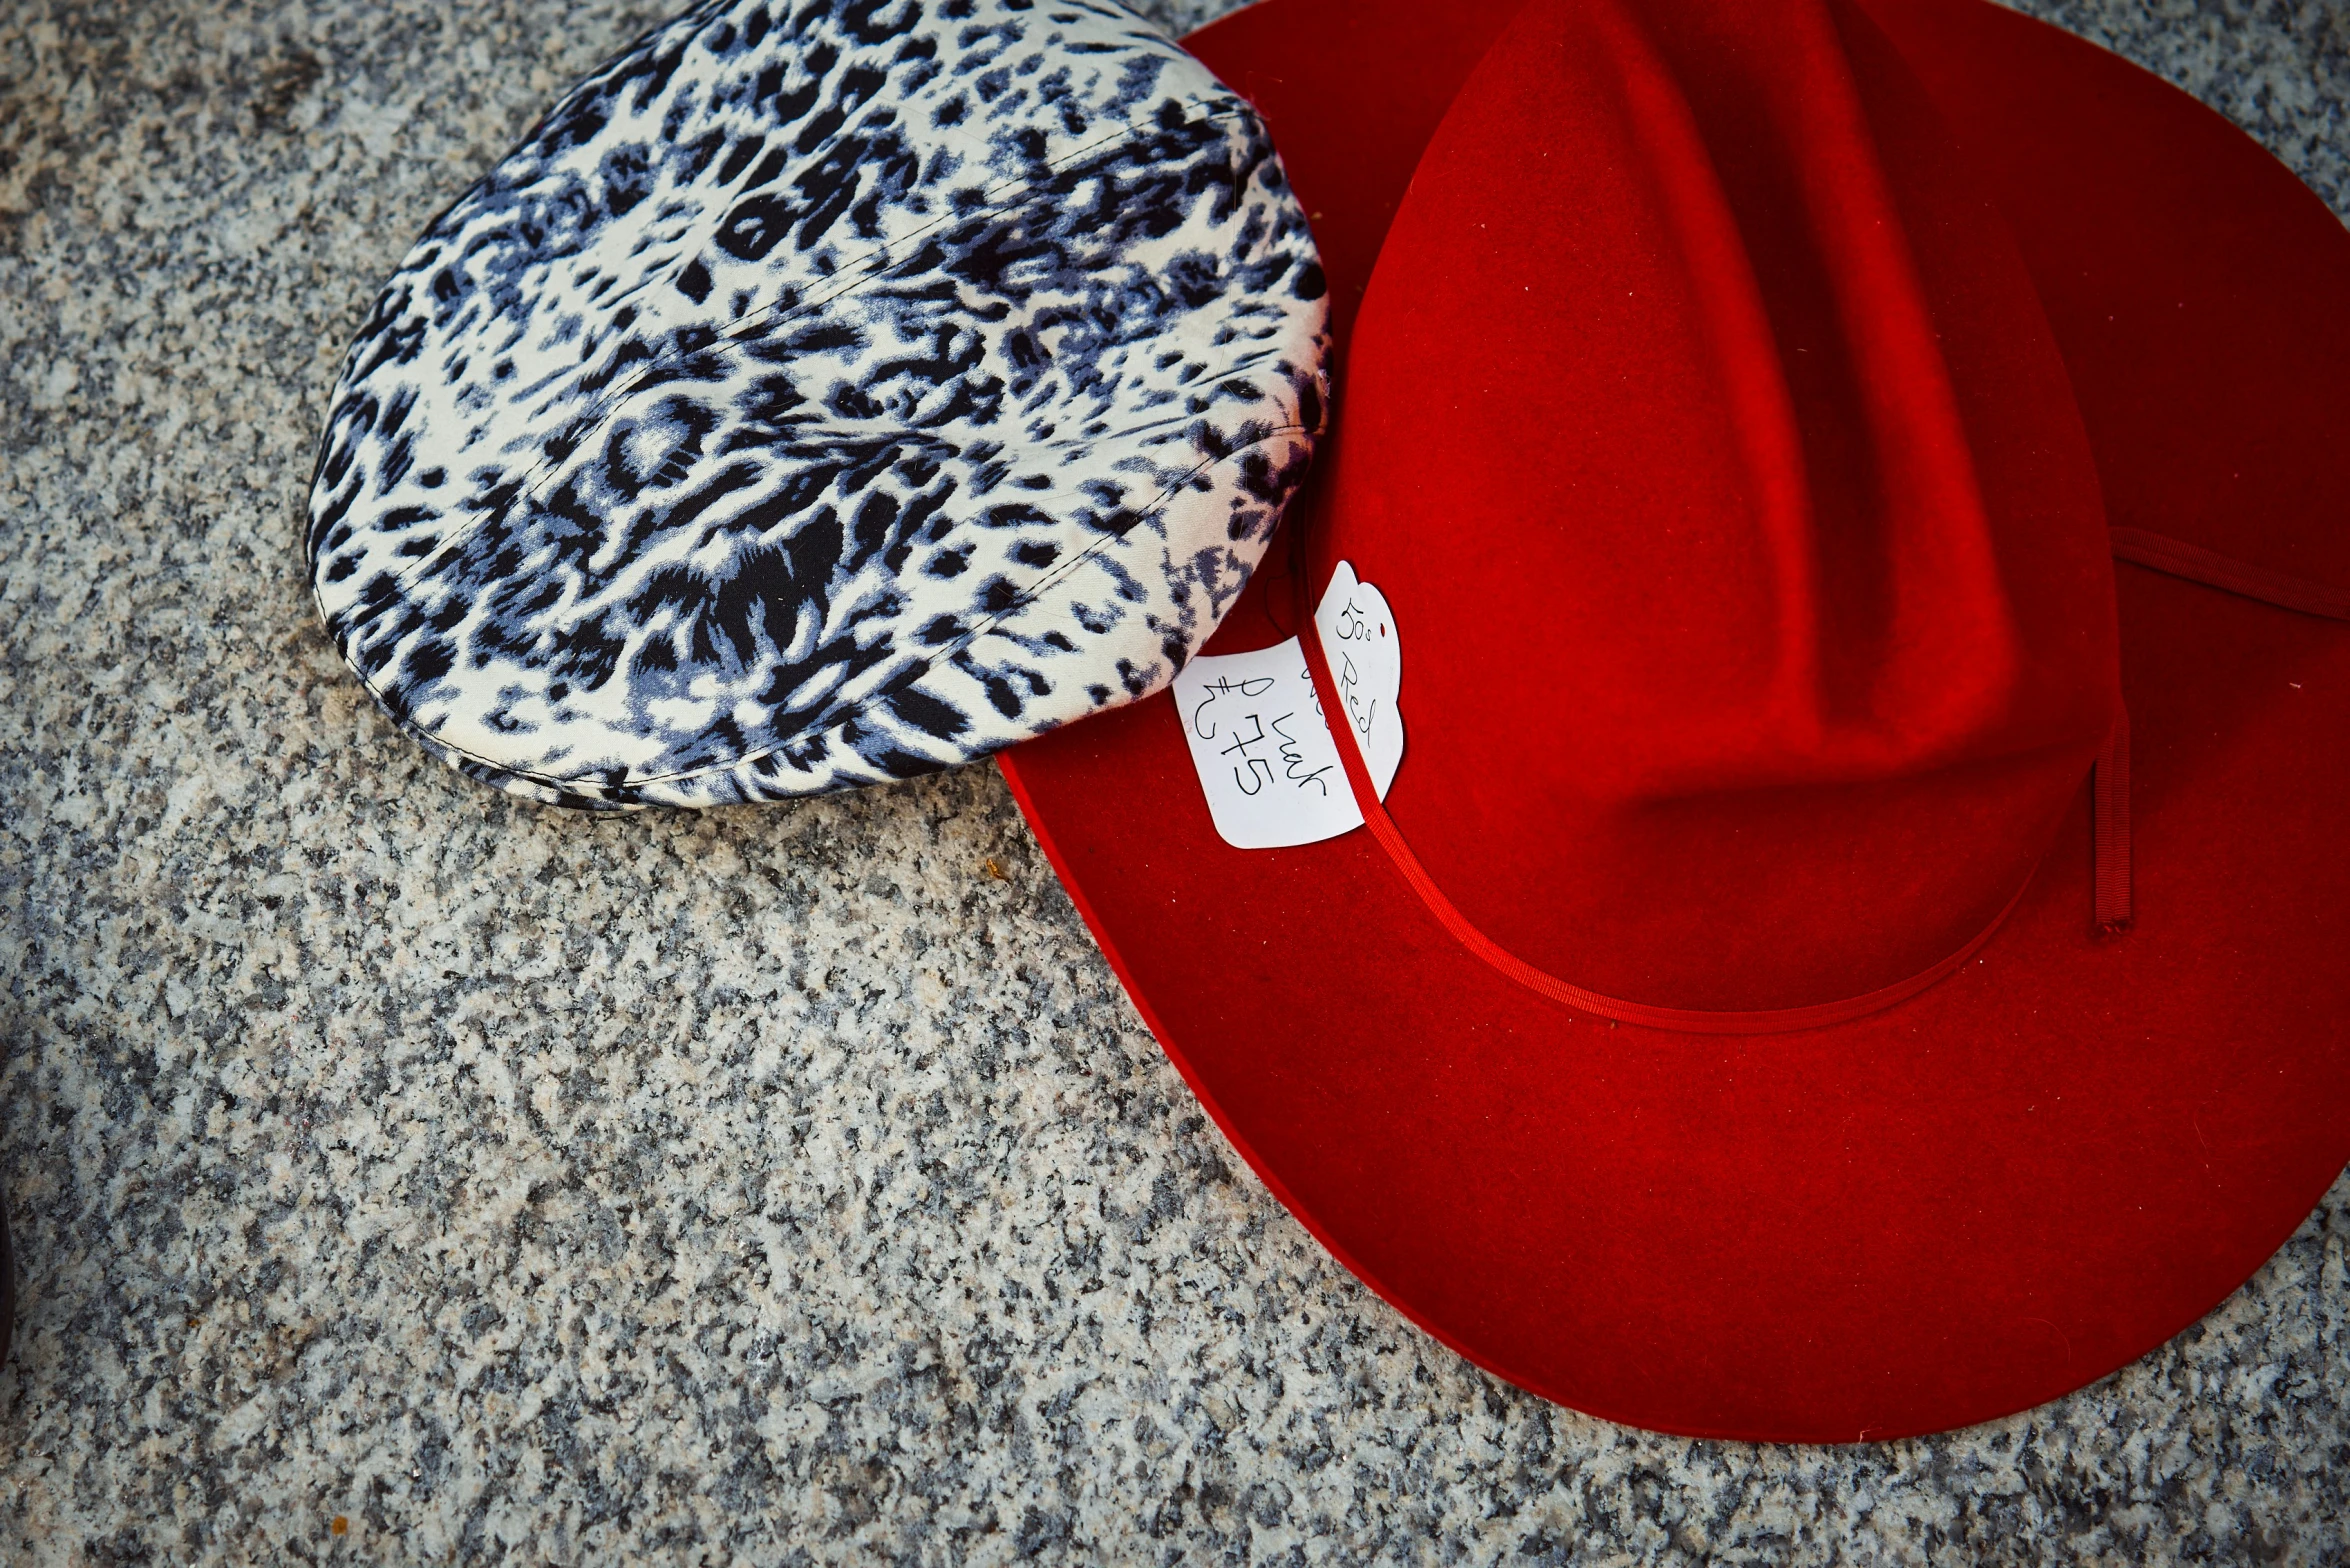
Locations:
766 1186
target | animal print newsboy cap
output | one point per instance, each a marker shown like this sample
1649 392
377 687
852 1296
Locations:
822 393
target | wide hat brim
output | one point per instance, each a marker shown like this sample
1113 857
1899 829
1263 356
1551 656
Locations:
1978 1200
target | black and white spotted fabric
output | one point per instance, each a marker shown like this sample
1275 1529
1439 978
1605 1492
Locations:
822 394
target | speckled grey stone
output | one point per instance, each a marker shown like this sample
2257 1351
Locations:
768 1186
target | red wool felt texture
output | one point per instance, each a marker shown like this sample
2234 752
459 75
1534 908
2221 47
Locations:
2039 1168
1704 431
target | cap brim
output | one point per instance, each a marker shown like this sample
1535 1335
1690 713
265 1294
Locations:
1974 1202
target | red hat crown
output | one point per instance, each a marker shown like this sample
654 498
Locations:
1710 452
1706 434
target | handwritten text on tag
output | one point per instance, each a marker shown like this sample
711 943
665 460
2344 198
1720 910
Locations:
1264 754
1263 749
1365 654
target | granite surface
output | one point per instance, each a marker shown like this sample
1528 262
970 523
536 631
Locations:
405 1174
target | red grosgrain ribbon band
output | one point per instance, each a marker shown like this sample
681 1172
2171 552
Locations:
1778 1020
2214 570
2109 815
2110 803
2110 793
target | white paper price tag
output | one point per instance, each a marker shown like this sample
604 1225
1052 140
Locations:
1365 654
1264 752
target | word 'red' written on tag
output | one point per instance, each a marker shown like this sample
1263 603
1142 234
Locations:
1260 741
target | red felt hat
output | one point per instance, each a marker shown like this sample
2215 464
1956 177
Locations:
1726 1024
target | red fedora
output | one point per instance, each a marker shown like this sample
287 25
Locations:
1726 1025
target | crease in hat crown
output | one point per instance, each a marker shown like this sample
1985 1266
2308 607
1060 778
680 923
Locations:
1794 543
821 397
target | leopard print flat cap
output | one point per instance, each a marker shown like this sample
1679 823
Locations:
820 396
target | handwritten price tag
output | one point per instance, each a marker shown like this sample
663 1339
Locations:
1263 751
1258 737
